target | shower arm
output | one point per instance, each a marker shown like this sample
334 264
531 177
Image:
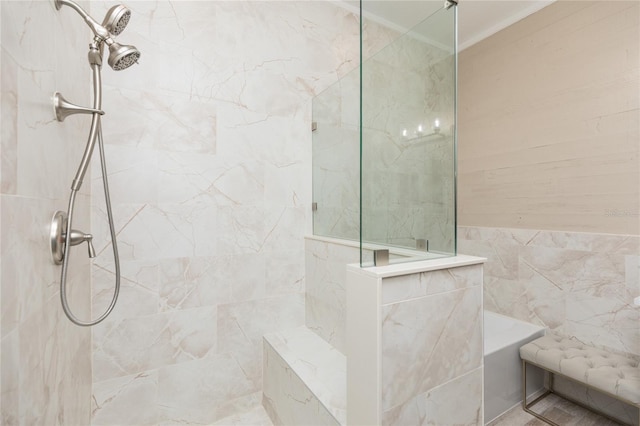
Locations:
102 35
99 31
94 52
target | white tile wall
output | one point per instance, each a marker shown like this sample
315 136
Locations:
325 296
430 340
577 284
412 346
46 360
209 149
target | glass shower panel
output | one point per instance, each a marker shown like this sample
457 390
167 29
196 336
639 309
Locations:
408 142
336 159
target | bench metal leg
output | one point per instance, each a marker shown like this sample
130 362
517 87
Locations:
526 406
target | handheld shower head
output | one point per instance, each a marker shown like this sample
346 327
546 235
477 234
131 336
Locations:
121 57
116 19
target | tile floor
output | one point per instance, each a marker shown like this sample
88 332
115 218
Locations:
558 410
254 417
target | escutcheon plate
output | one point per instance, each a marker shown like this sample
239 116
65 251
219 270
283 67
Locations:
56 236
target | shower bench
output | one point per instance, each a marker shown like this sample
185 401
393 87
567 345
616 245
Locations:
617 376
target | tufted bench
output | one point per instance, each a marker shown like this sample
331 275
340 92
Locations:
615 375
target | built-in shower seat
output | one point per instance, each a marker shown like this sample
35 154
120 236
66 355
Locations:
616 375
305 379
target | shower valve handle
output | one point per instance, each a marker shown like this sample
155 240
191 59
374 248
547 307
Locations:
78 237
58 237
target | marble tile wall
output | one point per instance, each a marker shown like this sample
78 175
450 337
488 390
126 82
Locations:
45 367
432 346
577 284
209 150
414 340
455 402
325 285
325 296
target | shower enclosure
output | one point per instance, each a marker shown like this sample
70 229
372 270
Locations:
384 143
384 179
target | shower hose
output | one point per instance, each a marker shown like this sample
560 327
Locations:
95 133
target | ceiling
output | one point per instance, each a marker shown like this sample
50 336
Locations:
477 19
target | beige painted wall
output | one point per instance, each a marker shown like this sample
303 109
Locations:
549 122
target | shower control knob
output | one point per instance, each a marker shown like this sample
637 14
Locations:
58 237
79 237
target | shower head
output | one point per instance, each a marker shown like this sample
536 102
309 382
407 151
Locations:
116 19
121 57
113 24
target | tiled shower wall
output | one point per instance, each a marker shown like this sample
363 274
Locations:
577 284
46 360
325 295
209 150
431 346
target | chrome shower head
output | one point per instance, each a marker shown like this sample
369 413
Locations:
116 19
121 57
